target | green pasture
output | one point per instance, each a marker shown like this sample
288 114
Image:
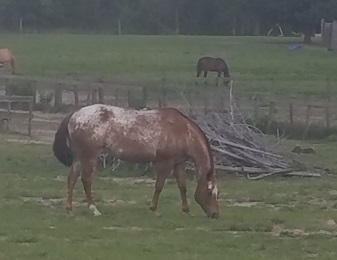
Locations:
145 60
275 218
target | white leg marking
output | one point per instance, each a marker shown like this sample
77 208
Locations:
94 210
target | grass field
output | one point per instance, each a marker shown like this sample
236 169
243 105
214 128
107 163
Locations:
274 218
267 219
149 59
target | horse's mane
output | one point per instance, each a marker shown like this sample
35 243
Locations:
203 136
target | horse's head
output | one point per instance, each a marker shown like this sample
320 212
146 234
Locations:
206 195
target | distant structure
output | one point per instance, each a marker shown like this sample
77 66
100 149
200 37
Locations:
329 35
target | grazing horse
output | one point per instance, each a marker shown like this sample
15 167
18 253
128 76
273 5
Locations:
206 64
164 137
8 59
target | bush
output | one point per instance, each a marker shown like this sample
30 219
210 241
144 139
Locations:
21 88
45 99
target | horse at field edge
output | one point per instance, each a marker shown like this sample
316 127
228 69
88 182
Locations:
164 137
218 65
7 59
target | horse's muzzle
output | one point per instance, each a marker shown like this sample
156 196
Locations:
213 215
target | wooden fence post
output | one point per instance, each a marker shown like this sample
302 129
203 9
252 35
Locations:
144 101
206 104
58 96
75 90
327 116
307 122
164 96
270 115
129 98
94 95
291 113
89 92
116 96
30 118
256 99
328 101
190 101
101 95
7 92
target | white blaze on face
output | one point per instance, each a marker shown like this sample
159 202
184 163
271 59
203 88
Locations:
214 189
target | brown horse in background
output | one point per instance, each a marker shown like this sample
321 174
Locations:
164 137
7 59
218 65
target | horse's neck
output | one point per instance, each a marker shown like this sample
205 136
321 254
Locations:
202 158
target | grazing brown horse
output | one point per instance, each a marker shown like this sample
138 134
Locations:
164 137
7 59
206 64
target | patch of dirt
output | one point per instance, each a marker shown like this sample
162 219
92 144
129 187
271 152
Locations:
244 204
128 181
25 141
58 201
116 202
112 228
249 204
44 202
280 231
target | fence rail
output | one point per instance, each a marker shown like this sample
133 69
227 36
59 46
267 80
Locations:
8 113
254 101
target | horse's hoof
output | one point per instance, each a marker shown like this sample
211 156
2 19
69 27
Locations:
157 213
69 212
94 210
188 213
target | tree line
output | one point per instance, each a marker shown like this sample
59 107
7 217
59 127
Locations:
206 17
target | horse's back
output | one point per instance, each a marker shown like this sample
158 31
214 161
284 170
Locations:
130 134
212 64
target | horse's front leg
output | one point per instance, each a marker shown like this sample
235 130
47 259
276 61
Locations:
162 172
180 175
198 74
72 178
217 79
87 177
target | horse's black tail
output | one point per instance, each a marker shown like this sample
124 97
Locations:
61 147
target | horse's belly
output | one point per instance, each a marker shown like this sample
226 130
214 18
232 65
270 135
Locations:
134 153
135 148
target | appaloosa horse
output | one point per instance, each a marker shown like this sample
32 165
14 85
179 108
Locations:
7 59
206 64
164 137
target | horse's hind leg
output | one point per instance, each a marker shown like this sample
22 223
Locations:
162 170
180 175
87 176
72 178
205 76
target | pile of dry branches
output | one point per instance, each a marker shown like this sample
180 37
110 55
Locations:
241 148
